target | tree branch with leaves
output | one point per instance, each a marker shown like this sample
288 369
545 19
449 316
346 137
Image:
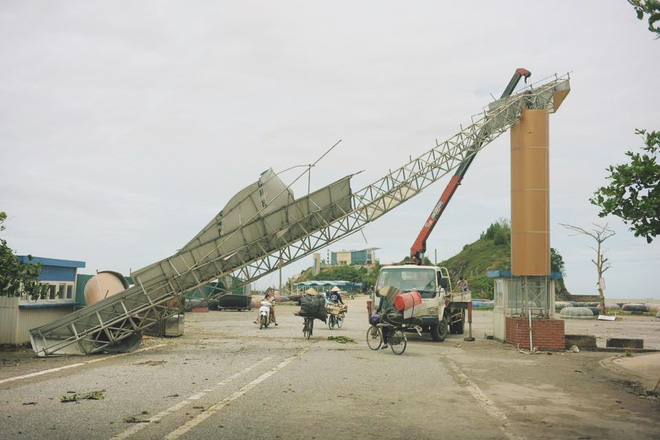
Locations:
634 190
652 9
16 277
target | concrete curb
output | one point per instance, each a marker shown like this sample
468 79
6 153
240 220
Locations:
642 368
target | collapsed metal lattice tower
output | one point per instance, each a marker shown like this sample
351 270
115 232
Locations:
263 228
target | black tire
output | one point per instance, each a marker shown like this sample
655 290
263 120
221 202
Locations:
456 328
262 322
398 342
374 338
340 322
440 330
331 322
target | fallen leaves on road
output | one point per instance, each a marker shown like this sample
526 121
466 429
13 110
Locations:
75 397
342 339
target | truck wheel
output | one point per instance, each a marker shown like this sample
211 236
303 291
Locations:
456 328
439 331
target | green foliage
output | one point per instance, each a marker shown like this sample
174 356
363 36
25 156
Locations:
499 232
650 7
633 193
354 274
408 260
17 277
492 252
556 262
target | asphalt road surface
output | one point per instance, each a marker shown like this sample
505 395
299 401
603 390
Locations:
227 379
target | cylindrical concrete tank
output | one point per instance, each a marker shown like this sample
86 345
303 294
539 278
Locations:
103 285
530 201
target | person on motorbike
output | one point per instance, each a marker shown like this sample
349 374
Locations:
270 297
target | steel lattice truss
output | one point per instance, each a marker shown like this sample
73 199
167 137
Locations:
402 184
104 326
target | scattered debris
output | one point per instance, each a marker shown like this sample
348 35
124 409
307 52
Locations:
575 349
29 403
638 390
133 419
342 339
152 363
606 318
75 397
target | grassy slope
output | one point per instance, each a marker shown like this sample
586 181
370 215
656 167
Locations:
475 260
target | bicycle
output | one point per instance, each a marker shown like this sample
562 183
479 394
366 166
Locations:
308 327
335 321
397 339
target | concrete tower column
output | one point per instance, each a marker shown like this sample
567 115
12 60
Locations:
530 200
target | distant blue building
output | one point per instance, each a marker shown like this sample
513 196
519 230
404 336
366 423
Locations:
59 275
362 257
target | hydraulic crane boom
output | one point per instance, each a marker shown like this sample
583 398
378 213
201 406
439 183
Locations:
419 246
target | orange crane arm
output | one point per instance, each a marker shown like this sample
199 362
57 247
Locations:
419 246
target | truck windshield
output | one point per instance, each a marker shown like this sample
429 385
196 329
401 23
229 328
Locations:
406 280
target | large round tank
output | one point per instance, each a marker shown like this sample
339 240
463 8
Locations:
103 285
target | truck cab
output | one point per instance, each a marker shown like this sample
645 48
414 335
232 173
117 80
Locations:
442 311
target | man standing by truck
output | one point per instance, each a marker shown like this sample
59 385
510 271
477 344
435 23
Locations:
462 285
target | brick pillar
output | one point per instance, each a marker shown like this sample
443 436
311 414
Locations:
547 334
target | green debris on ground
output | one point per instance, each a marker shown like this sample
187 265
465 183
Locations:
342 339
75 397
133 419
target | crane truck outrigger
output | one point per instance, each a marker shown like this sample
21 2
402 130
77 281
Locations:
442 310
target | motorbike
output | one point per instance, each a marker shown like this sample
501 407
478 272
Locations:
264 314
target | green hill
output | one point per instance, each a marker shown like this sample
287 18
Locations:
492 251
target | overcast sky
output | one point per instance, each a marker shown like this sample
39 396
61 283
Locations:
125 126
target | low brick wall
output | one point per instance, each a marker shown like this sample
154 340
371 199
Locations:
548 334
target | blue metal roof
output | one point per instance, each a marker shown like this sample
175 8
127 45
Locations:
51 261
507 274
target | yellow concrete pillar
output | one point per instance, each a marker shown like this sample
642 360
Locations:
530 198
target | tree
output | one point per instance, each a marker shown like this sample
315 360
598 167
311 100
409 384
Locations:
600 234
650 7
557 262
16 277
634 193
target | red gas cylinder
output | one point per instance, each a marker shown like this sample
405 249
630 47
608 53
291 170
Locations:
408 300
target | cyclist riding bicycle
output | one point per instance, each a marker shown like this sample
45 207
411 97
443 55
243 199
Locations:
335 296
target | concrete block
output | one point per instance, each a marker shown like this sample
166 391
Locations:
624 343
583 342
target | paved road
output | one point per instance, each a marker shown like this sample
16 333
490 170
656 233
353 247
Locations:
227 379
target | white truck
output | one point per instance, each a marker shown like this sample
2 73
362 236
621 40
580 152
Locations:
441 311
